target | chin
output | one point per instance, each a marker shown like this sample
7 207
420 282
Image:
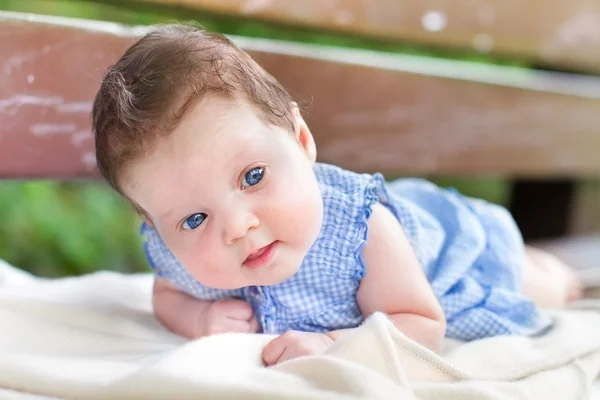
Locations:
222 283
275 281
224 287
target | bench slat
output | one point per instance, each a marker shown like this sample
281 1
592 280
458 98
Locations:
369 112
554 32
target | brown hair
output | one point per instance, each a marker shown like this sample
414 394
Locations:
147 92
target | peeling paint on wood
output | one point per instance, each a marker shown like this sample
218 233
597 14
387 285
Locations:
41 130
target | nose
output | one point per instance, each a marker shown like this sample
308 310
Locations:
237 226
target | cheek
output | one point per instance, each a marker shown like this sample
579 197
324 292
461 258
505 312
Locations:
295 215
205 260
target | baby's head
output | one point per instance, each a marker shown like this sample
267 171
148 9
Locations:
213 152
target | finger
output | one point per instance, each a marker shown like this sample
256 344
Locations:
236 309
273 351
253 325
288 354
230 326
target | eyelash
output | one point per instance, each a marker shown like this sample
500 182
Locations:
260 183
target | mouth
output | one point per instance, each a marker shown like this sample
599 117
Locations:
261 257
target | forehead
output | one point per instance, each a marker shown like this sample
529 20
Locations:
214 116
215 135
212 126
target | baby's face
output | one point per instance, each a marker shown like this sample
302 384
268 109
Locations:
234 199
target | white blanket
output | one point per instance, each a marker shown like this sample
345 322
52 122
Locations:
94 337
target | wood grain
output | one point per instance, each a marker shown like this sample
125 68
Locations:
369 111
562 34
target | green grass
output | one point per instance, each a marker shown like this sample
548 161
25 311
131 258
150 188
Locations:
55 229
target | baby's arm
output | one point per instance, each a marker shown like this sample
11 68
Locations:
193 318
395 282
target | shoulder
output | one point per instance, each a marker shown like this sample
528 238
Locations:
383 229
346 191
340 178
348 201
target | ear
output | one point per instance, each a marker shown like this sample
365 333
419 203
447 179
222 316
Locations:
303 135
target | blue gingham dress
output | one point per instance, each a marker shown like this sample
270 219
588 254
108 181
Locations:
471 252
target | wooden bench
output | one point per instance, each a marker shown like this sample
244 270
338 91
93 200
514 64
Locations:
551 33
370 111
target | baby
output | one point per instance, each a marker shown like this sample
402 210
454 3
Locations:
248 233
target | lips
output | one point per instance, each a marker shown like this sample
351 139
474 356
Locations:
261 257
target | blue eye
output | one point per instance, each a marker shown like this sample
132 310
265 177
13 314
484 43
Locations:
253 177
194 221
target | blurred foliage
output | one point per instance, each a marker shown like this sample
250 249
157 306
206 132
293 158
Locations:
56 228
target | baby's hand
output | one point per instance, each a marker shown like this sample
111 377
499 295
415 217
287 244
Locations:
227 315
294 344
